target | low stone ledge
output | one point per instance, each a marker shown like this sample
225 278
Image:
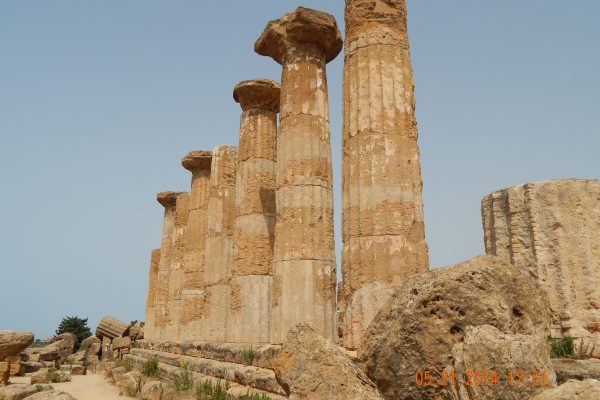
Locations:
235 391
252 376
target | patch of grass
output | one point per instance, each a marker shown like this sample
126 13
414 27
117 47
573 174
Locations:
254 396
150 368
561 347
125 363
53 376
207 391
184 381
248 356
39 388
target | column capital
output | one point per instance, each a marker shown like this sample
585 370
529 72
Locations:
300 32
262 94
168 199
197 160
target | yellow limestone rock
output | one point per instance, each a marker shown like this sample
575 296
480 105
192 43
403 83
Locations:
303 42
193 294
552 229
382 205
255 211
151 300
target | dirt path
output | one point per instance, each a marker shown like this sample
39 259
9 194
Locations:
84 387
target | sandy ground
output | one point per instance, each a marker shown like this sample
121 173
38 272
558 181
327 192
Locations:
83 387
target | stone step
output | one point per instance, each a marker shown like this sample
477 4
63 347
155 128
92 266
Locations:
249 376
227 352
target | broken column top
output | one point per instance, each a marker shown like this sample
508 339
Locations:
168 199
197 160
304 30
262 94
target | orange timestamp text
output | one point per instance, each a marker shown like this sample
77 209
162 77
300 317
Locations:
479 378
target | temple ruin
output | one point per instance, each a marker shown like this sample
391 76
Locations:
249 252
553 225
383 227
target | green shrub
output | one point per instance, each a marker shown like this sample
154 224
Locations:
125 363
39 388
53 376
150 368
207 391
561 347
248 356
184 381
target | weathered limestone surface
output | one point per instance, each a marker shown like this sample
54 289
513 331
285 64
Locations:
255 211
12 343
551 229
588 389
312 368
152 292
169 201
176 268
218 262
304 259
430 313
382 217
193 295
110 328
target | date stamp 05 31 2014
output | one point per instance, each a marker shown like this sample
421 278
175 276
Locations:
479 378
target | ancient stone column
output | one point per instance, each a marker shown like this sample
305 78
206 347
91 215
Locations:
176 275
218 260
382 217
304 259
193 295
554 227
255 210
149 332
168 200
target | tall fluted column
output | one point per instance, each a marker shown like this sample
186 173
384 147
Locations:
193 294
552 228
176 275
383 225
168 200
149 331
218 263
255 211
304 258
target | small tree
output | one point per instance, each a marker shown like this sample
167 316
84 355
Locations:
75 325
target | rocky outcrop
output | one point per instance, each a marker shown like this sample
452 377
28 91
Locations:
46 375
588 389
12 343
551 229
485 349
111 328
152 390
311 367
21 391
567 369
51 395
429 314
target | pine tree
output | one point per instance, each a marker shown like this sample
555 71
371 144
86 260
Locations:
77 326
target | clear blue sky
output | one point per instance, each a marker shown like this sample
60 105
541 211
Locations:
99 100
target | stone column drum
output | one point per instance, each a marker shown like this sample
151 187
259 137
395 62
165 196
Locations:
193 296
218 260
168 200
303 42
149 332
382 216
555 227
176 275
255 210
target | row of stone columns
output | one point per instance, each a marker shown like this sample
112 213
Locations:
258 252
